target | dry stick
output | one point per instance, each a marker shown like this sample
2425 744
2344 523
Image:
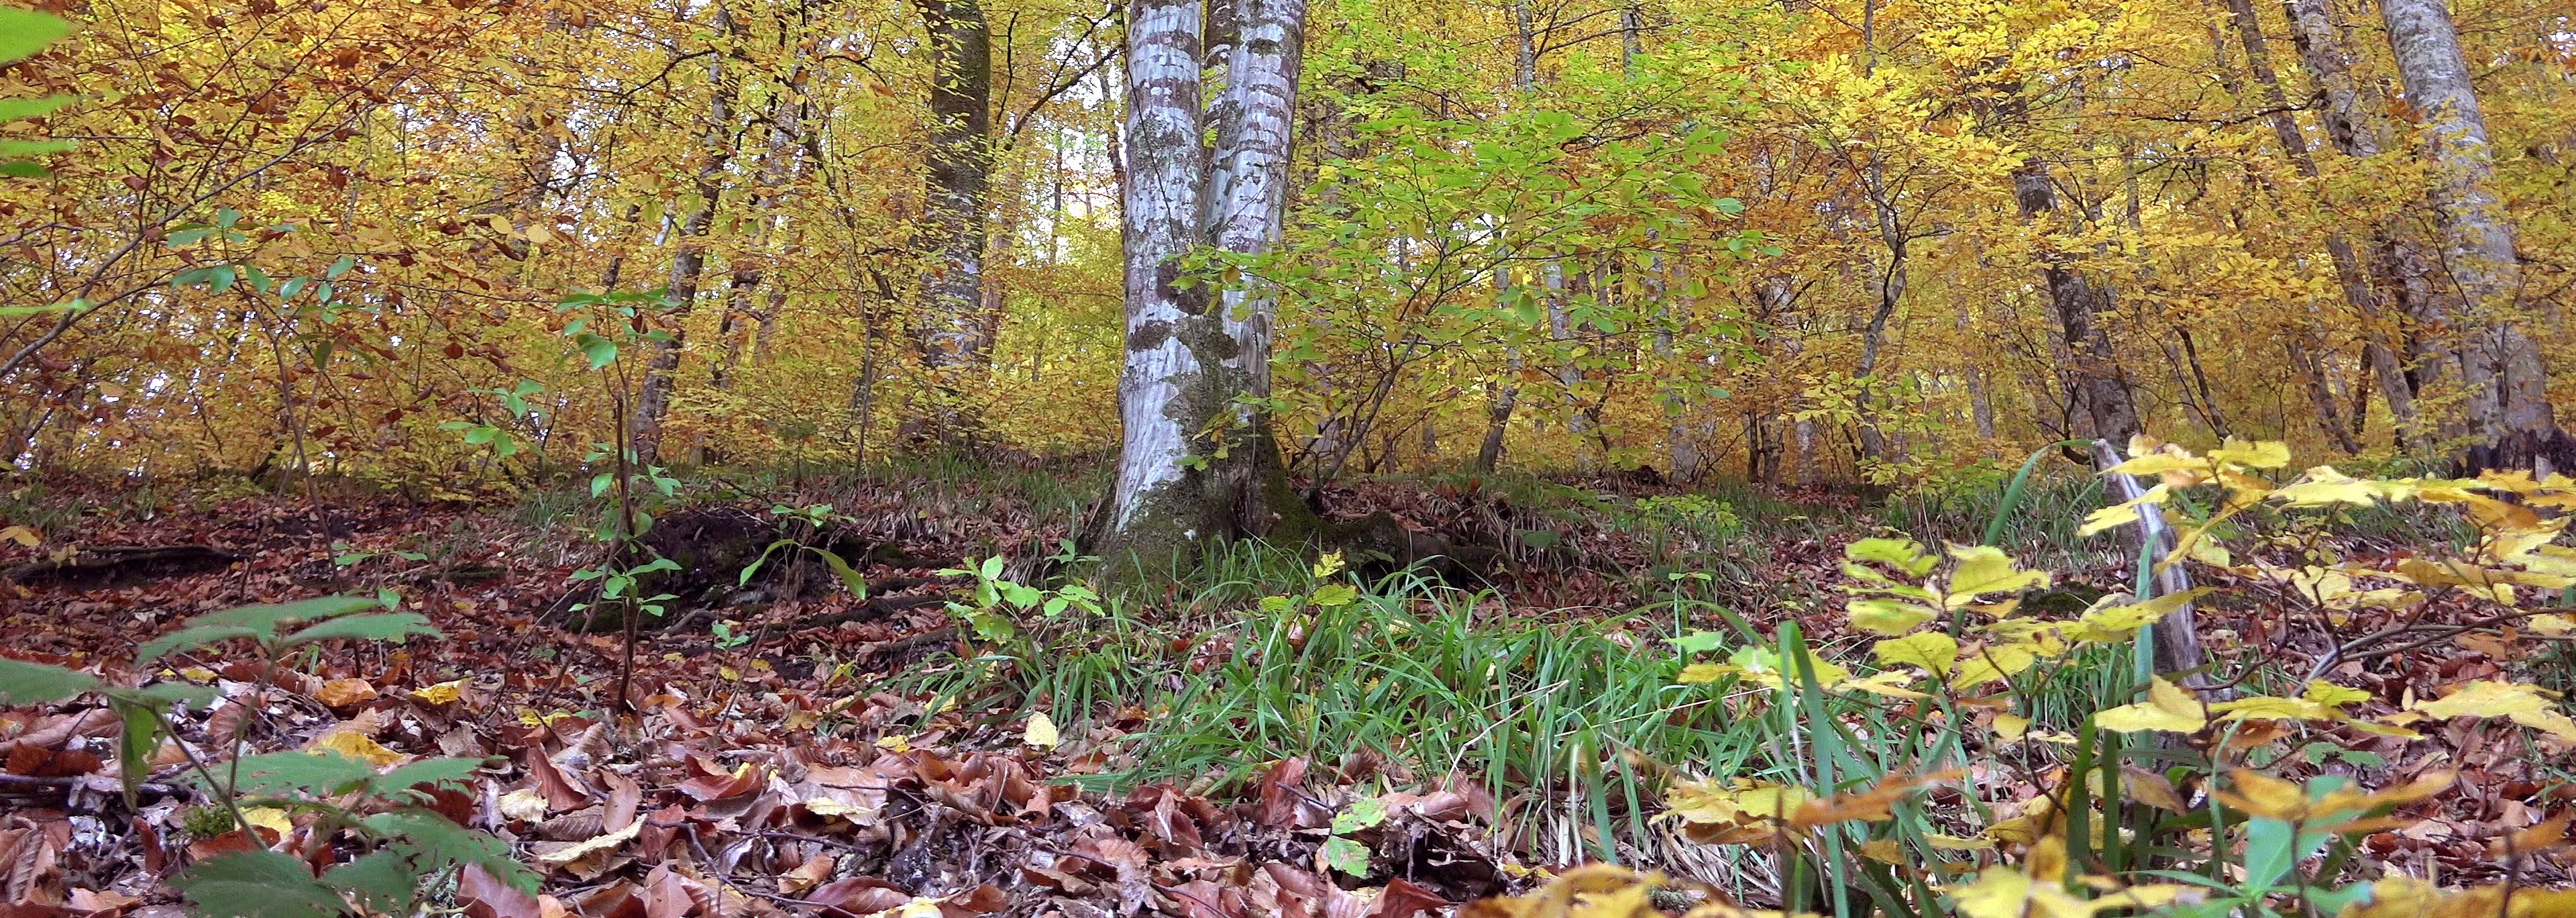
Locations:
2176 637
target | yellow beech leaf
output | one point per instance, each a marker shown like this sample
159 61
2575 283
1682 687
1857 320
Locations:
1703 673
2332 695
2119 623
1884 851
341 693
2550 624
1931 651
1986 569
2160 463
2168 708
2264 455
1890 684
2011 726
270 818
22 535
2263 795
357 746
2523 704
1042 732
2266 707
2123 513
442 693
1992 664
1887 616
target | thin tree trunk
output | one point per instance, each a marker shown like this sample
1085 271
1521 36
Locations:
953 230
2094 372
689 264
2354 129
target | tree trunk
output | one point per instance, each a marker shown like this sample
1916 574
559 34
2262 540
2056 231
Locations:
689 264
2339 249
778 165
1247 196
2353 129
2094 372
2508 395
1169 389
953 230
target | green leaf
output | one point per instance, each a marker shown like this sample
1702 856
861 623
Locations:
385 881
441 844
22 682
849 577
1346 855
136 744
433 772
25 32
193 637
381 626
1362 814
257 884
11 109
601 351
1698 642
305 774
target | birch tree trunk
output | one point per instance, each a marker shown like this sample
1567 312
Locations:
1247 197
1165 392
953 229
2508 398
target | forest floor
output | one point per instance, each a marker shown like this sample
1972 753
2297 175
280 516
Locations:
795 747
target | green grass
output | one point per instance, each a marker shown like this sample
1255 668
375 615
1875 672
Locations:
1546 717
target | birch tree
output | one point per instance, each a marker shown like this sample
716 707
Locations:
2500 366
1195 457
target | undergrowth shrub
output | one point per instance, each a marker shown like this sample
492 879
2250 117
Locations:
344 793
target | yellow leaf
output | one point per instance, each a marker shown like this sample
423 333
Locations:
1331 563
1992 664
270 818
2264 455
22 535
1932 651
2158 464
2168 708
1884 851
1703 673
2123 513
2523 704
442 693
2263 795
2551 624
1890 684
341 693
1042 732
2011 726
526 804
2119 623
1986 569
357 746
1887 616
2332 695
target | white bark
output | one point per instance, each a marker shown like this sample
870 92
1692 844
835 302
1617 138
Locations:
1161 196
2500 365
